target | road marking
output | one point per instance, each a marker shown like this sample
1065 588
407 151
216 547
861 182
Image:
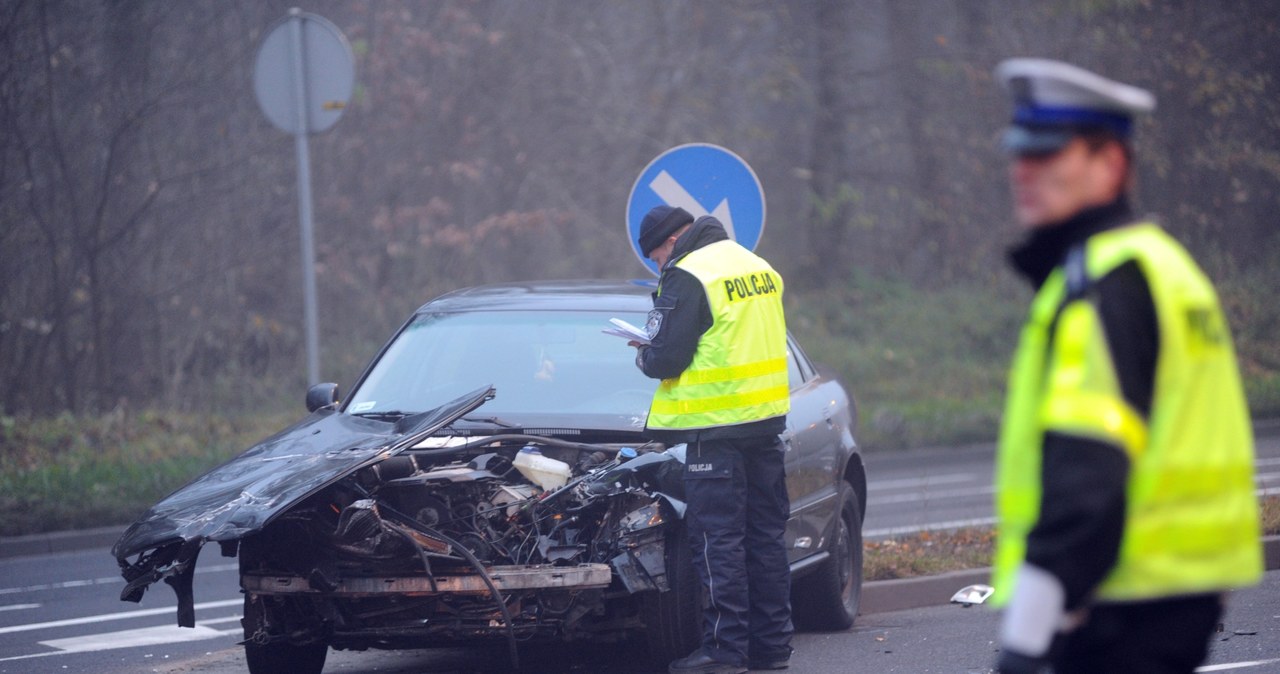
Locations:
216 621
1237 665
931 526
103 581
912 482
144 636
30 655
104 617
931 496
18 607
674 194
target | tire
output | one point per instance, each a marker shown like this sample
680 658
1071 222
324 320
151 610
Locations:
673 619
277 657
827 599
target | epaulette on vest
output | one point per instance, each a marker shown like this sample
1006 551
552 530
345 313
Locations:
1077 274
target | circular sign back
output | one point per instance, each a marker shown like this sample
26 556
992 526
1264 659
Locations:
327 67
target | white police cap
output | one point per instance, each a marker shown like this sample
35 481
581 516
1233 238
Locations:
1053 101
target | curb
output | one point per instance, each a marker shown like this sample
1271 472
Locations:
883 596
60 541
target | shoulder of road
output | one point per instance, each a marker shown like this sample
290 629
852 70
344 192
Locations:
877 596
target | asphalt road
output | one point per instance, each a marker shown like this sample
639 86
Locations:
935 639
61 612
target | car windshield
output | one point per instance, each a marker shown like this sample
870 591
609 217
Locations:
540 363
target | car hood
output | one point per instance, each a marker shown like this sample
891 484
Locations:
244 494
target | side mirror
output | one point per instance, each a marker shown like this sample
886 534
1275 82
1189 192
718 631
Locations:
322 395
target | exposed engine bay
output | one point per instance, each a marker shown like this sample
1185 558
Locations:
510 536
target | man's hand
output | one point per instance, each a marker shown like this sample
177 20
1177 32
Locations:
640 349
1031 620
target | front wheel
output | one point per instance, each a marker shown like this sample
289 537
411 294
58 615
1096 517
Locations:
673 619
276 657
828 598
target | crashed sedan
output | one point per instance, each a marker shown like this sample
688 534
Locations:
488 479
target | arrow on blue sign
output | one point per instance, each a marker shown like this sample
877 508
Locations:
675 194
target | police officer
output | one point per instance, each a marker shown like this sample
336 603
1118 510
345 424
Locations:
718 343
1125 468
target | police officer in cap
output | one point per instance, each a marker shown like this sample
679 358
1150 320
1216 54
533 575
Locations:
719 345
1125 468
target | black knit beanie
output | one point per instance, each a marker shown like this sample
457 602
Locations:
659 223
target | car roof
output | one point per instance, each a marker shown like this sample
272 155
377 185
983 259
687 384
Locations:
571 295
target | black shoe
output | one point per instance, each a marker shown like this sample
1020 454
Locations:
775 660
778 662
699 662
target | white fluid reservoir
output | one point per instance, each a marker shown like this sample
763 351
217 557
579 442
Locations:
543 471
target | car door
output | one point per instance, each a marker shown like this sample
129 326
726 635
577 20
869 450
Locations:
818 439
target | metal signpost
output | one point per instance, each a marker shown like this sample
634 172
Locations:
304 76
703 179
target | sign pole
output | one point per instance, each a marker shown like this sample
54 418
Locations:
310 310
304 75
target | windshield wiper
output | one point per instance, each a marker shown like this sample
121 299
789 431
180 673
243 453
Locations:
490 420
389 415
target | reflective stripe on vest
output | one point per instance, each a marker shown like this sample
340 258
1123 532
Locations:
1191 522
739 372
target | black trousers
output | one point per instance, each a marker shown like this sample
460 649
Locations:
1168 636
737 514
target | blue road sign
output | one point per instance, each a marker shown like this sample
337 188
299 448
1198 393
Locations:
703 179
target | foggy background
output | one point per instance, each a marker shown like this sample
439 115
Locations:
149 247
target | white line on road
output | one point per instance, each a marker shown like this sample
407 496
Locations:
102 581
218 621
931 526
18 607
144 636
31 655
931 496
1237 665
114 616
912 482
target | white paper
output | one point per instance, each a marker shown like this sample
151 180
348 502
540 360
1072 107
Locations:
627 331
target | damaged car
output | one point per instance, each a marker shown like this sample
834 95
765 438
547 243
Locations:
488 479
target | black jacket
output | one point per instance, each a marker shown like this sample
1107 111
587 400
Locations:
681 315
1084 481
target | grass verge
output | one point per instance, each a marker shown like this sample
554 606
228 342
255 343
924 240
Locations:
929 367
75 472
927 553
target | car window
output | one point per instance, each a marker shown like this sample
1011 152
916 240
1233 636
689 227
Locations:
539 363
794 377
798 368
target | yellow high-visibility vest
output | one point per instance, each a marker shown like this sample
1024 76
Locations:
739 372
1191 522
